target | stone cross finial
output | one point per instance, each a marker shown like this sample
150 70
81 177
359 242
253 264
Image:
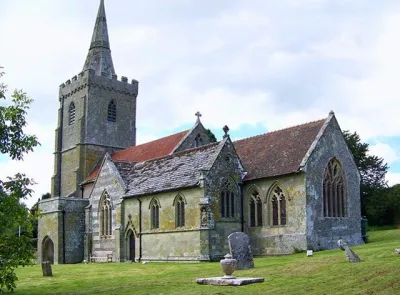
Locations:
226 130
198 115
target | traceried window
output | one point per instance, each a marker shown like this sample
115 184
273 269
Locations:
71 113
334 190
278 207
112 112
105 219
179 211
155 214
255 206
227 201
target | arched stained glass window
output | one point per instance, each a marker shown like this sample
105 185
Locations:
334 190
227 200
255 209
105 218
278 207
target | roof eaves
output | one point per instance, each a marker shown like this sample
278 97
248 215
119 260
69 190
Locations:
314 143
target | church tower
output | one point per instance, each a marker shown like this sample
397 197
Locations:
97 114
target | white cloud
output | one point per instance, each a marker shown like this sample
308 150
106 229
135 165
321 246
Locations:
393 178
37 166
384 151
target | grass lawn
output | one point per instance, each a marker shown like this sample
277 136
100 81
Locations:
327 272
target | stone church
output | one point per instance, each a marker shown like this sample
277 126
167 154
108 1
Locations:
178 198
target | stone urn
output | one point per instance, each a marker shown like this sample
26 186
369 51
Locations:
228 266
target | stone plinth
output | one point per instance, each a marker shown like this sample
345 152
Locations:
221 281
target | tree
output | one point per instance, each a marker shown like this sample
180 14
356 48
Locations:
15 220
374 200
211 135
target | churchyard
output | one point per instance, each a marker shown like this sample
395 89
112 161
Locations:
326 272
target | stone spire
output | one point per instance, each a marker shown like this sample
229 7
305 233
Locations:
99 56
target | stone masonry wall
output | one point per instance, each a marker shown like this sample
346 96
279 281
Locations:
168 242
190 142
226 166
81 144
272 240
60 214
324 232
108 180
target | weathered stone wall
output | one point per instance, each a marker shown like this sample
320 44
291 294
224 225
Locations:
119 134
271 240
226 166
80 145
110 181
324 232
190 142
168 242
63 220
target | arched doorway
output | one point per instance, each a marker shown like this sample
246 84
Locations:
48 250
131 245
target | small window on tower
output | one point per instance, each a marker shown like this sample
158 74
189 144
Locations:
112 112
71 113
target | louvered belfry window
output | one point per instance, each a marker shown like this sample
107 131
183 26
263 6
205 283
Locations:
112 112
72 114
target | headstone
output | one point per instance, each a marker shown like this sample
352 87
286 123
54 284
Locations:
239 246
397 251
350 255
46 269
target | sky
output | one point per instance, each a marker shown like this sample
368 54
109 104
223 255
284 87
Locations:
254 65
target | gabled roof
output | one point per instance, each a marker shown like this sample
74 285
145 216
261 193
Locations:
175 171
143 152
153 149
279 152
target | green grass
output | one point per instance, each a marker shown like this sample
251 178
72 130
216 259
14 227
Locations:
327 272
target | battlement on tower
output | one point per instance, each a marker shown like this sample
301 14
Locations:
89 78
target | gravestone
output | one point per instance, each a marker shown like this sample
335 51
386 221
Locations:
239 246
350 255
46 269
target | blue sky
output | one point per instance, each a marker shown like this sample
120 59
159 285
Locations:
255 65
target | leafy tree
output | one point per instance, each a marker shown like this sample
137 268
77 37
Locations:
211 135
374 199
15 220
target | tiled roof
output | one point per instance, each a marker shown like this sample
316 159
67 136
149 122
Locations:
153 149
143 152
172 172
277 153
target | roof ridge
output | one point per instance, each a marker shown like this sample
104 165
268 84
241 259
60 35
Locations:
280 130
181 152
152 141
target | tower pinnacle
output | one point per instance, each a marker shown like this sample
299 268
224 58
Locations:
99 56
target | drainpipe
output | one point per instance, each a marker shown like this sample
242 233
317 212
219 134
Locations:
63 230
241 206
140 230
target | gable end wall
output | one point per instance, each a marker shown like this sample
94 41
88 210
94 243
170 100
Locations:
324 232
